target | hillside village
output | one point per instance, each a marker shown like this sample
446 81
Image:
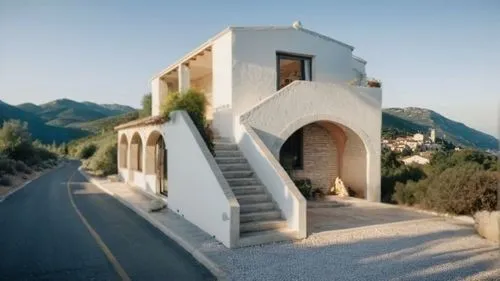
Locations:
417 148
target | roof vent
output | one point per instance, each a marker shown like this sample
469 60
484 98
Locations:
297 24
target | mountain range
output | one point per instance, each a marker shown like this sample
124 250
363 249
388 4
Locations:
63 120
63 112
59 121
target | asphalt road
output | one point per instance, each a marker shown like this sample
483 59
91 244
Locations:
42 236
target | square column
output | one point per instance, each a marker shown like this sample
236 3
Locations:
159 91
184 78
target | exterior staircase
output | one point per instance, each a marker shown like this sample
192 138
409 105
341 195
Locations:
260 217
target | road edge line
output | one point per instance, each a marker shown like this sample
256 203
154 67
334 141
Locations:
16 189
212 266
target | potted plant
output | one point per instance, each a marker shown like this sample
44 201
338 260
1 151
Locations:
317 194
374 83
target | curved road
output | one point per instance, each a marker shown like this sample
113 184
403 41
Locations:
42 236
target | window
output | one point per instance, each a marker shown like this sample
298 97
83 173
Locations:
292 151
291 68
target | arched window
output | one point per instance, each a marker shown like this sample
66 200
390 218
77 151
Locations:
123 151
136 152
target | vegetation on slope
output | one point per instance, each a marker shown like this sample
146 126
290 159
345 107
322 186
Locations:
458 182
19 154
37 127
99 151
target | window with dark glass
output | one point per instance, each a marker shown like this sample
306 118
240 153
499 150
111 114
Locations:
291 68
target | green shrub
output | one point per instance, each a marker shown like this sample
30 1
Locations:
7 166
21 167
304 186
5 181
15 140
87 151
463 189
194 103
103 163
404 194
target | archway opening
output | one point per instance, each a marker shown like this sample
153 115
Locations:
136 153
156 161
123 151
320 152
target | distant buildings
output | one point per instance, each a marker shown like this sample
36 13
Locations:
417 142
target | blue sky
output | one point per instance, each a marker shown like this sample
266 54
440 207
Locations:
442 55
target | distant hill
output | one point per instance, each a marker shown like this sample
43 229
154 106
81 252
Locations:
106 124
37 127
414 119
63 112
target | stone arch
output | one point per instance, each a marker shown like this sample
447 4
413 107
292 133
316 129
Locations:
346 154
123 152
136 152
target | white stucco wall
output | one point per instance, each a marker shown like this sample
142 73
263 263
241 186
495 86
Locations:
254 62
304 102
222 64
359 65
197 190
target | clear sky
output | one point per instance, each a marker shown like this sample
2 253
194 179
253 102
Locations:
442 55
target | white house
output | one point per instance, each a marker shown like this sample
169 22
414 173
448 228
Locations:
416 159
275 93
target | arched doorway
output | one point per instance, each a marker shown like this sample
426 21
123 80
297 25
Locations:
156 161
123 152
321 151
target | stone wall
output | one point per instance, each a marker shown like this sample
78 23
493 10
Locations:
320 163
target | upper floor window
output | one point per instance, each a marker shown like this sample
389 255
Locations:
291 68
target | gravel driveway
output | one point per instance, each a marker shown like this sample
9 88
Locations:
423 249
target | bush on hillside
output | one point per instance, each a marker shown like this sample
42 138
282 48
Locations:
103 163
463 189
5 181
7 166
194 103
87 151
394 171
21 167
146 103
15 140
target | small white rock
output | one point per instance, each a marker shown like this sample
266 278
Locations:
156 205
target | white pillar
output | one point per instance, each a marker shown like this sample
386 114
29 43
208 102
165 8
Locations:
159 91
184 78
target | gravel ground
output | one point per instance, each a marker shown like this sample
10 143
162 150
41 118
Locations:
429 249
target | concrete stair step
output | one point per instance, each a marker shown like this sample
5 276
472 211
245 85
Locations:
262 225
259 216
263 237
243 181
253 198
247 189
234 167
228 153
222 140
237 174
230 160
257 207
225 146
